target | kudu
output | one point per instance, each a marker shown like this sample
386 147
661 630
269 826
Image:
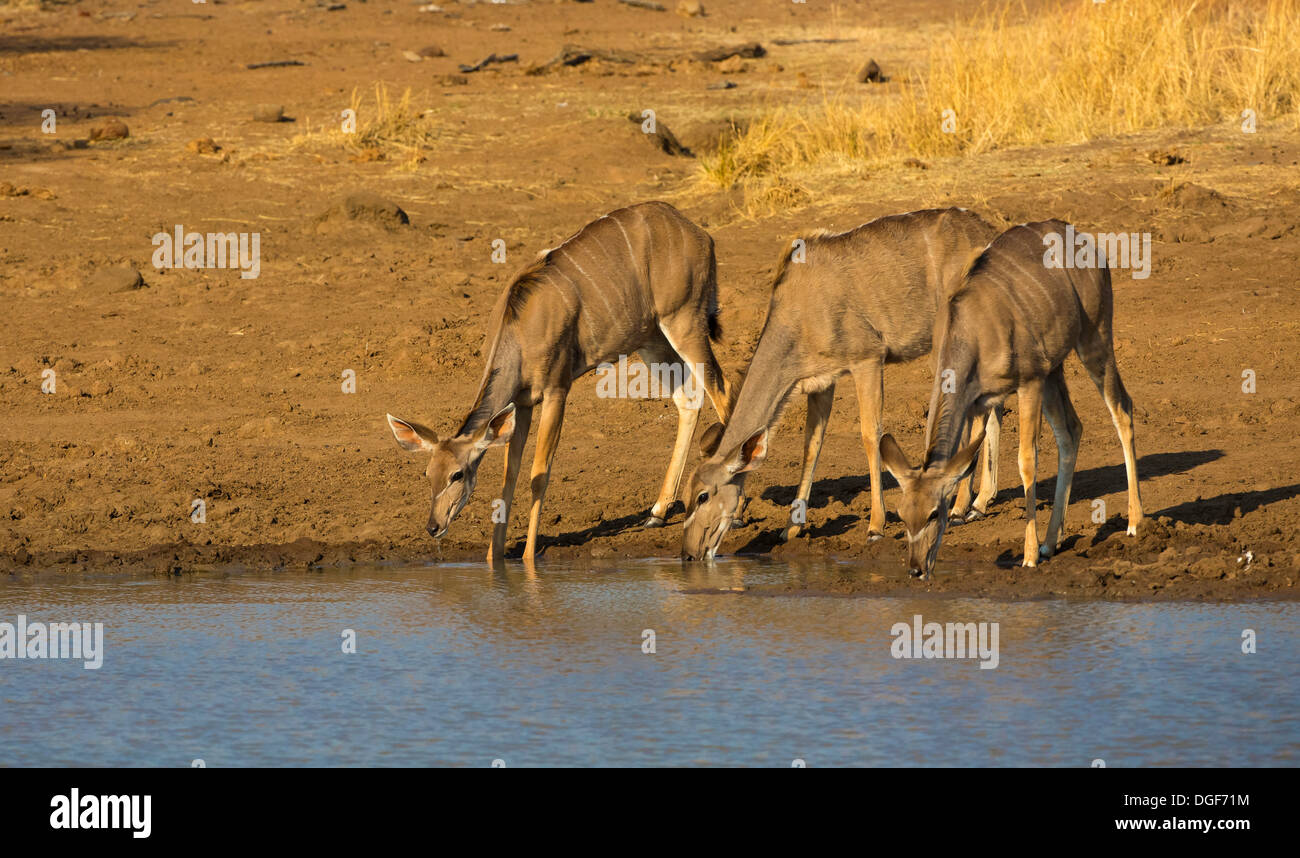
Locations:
1007 328
639 280
856 301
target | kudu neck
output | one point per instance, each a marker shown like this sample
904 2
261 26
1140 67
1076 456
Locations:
772 374
501 384
955 390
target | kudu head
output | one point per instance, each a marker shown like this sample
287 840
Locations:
715 493
453 467
927 496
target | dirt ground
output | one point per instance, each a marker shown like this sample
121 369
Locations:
203 385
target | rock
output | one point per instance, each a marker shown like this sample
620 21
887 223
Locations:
202 146
690 8
430 51
412 57
115 278
268 113
362 207
870 73
110 129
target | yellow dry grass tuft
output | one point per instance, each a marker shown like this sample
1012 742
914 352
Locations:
387 129
1085 71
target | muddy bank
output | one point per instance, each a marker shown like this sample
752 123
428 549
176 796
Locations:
176 386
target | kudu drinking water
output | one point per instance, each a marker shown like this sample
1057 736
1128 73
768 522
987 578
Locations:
856 301
640 280
1007 328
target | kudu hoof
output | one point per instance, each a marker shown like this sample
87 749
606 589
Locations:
875 536
791 532
653 521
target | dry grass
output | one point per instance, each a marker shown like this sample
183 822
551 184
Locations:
386 129
1087 71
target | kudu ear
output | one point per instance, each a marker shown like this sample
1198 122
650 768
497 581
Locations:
961 465
412 436
498 430
894 459
710 439
748 455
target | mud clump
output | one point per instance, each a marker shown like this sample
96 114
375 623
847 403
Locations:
361 208
1196 198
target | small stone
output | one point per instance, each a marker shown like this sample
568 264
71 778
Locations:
430 51
690 8
412 57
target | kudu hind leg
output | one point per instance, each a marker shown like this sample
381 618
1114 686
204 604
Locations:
548 438
1099 361
514 457
1067 429
989 475
819 414
691 342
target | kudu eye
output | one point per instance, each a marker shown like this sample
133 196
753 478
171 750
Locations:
934 514
703 498
456 477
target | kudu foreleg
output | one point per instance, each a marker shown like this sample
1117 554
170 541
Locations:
548 438
514 457
819 415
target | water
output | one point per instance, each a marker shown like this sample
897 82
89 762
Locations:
460 665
